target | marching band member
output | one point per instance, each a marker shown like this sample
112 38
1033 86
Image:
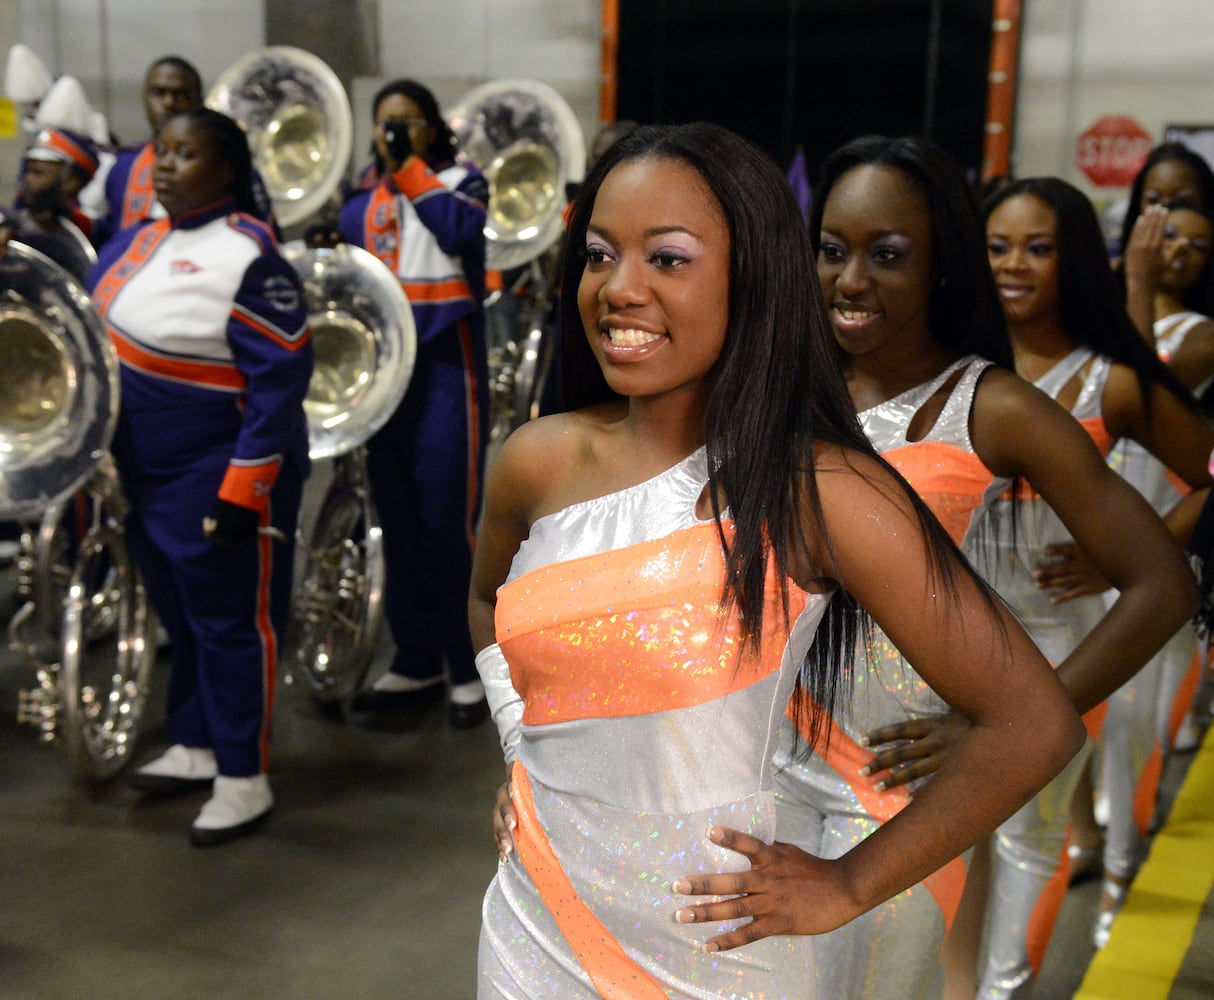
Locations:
424 218
54 169
210 326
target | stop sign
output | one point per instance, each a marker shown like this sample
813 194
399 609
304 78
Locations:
1112 149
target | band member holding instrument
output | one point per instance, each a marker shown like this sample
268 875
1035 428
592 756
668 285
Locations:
210 326
425 218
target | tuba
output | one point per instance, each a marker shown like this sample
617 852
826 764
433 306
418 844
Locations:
527 141
364 343
58 410
296 114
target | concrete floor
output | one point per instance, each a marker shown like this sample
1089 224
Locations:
366 882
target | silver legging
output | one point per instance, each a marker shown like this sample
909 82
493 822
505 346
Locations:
1027 851
1138 721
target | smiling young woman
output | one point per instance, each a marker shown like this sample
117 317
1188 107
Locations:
1161 439
925 353
651 572
656 284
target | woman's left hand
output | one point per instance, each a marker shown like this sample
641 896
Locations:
504 821
921 747
1067 571
786 891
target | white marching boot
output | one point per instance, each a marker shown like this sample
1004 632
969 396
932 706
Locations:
238 806
179 769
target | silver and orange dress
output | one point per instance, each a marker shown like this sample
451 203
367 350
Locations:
642 725
824 804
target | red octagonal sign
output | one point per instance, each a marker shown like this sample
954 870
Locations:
1112 150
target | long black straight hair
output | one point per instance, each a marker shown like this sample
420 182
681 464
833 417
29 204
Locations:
964 311
1090 306
777 388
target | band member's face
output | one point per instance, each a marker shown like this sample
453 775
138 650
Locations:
188 173
408 114
168 90
42 178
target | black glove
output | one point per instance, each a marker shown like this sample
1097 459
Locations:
231 525
396 138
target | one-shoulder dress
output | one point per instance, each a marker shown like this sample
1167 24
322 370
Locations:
643 725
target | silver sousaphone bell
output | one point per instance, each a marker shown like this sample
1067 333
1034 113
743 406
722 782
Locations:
298 120
527 141
59 384
90 617
364 343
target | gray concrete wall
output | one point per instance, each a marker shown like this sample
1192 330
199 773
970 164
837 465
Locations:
1083 59
451 45
1080 59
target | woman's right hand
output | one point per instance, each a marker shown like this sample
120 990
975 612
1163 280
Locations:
919 747
504 821
1143 260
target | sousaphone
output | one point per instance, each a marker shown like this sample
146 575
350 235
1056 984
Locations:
364 343
527 141
297 116
58 410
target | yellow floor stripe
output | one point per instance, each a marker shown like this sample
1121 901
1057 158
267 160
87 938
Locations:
1153 931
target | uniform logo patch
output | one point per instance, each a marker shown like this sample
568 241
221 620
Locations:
282 292
183 267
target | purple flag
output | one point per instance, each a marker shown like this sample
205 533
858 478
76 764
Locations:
798 177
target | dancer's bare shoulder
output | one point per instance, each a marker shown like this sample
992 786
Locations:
553 461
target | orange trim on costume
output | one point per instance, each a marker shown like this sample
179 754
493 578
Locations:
415 178
269 640
1045 914
212 374
379 225
140 191
957 484
453 289
249 485
846 757
473 418
137 254
614 974
1099 433
1093 718
632 603
1178 484
494 282
257 323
